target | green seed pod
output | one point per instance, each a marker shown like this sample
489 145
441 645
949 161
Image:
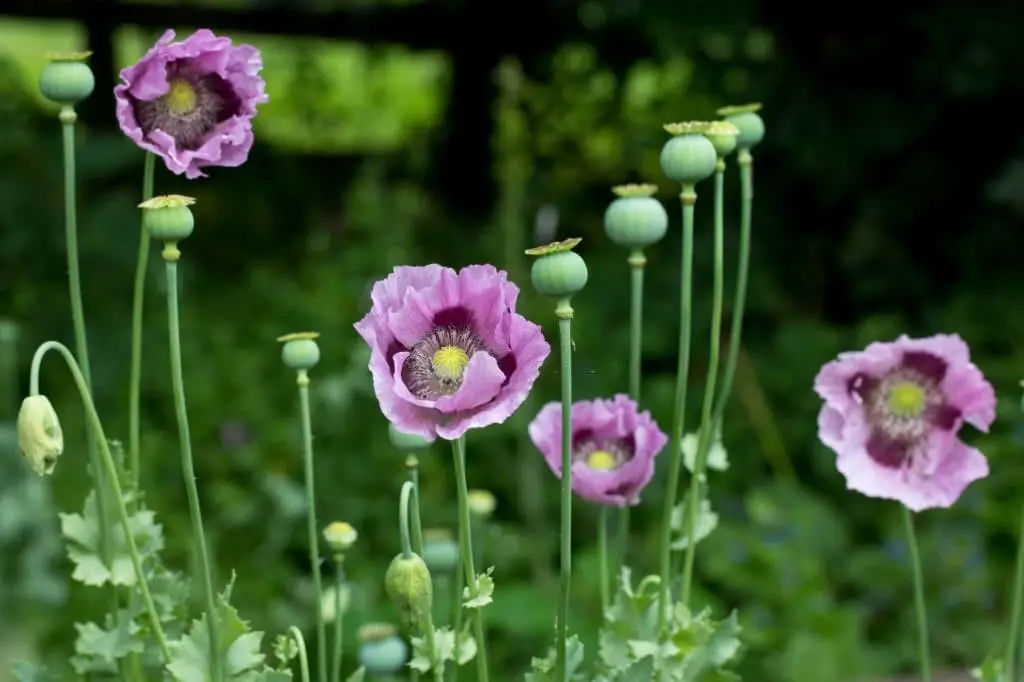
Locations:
168 218
748 121
440 551
408 583
722 135
67 79
558 271
381 650
39 434
688 157
635 219
300 351
340 536
406 441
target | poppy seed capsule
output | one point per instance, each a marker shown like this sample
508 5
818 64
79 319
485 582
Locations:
67 79
300 350
558 271
381 650
722 135
406 441
340 536
635 219
440 551
748 121
168 218
688 157
40 437
408 583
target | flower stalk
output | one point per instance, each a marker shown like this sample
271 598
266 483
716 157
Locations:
1017 600
138 298
466 552
564 312
924 655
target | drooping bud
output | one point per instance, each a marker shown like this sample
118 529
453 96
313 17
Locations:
39 434
340 536
688 157
408 583
381 650
558 271
481 502
440 551
67 79
300 350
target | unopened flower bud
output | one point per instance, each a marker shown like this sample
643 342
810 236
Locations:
723 136
440 551
748 121
300 350
481 502
39 434
406 441
340 536
558 271
408 583
635 219
67 79
168 218
381 650
688 157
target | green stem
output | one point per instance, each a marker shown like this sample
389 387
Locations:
458 583
171 255
746 164
339 618
1016 608
688 199
602 552
403 518
138 295
707 425
417 546
68 117
417 523
564 313
96 426
466 551
637 262
922 614
302 379
303 659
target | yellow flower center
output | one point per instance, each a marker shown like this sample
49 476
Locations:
906 399
449 363
181 98
602 460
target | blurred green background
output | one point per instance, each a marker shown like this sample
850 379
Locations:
889 200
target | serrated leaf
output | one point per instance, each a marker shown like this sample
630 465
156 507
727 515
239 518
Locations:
98 649
444 649
484 592
640 671
269 675
358 676
707 521
83 532
238 648
29 672
543 669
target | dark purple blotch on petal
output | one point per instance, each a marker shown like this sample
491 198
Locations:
886 451
861 385
944 417
458 316
926 364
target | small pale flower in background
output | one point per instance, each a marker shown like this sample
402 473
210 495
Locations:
328 607
449 351
192 102
482 502
340 536
893 412
613 448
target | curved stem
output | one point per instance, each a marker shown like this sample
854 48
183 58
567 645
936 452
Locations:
466 551
924 656
303 659
602 553
707 425
688 199
417 524
138 296
403 517
339 618
187 465
96 426
564 313
1017 606
746 164
302 379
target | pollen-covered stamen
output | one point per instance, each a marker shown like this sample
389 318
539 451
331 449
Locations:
437 363
190 109
602 455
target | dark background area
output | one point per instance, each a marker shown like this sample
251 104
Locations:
890 193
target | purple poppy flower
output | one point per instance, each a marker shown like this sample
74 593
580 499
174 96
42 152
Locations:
192 102
892 414
613 448
448 351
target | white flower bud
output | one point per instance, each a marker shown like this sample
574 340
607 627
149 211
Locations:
39 434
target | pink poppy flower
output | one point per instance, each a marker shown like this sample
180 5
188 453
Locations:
893 412
448 351
192 102
613 448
